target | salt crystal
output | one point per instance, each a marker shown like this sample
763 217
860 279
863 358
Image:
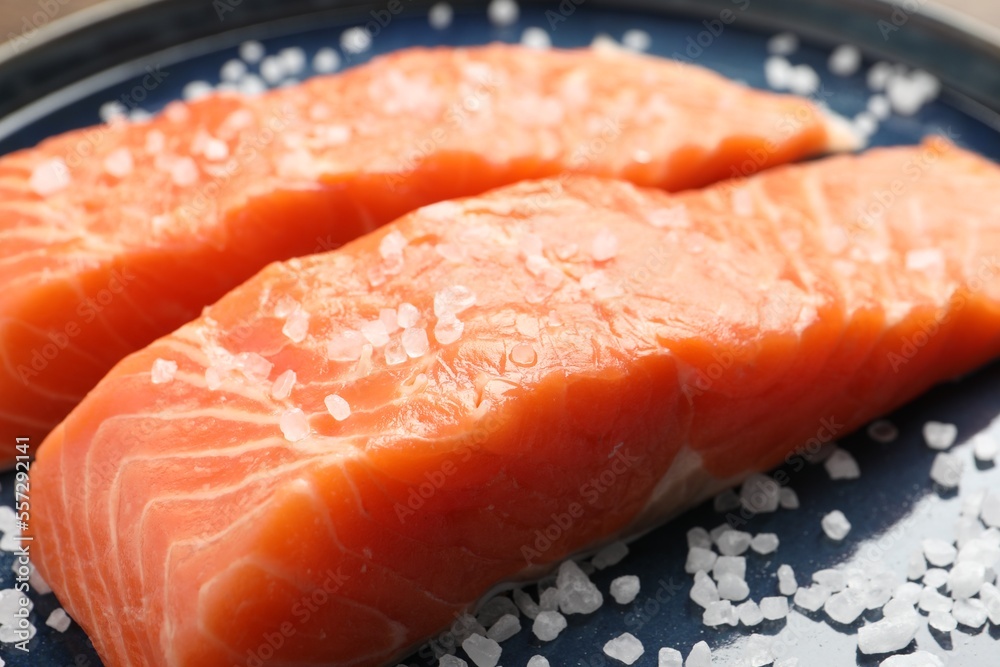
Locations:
908 592
786 580
338 408
896 607
942 621
733 588
734 542
877 593
699 558
699 537
296 325
984 448
704 591
503 13
841 465
938 552
778 72
196 90
965 579
889 634
451 661
783 44
803 80
905 95
604 246
835 525
294 424
935 577
184 172
700 656
726 501
577 594
811 598
879 107
610 555
845 60
774 608
49 177
523 354
879 75
440 16
549 599
375 333
788 499
494 609
11 634
625 589
758 650
735 565
787 662
720 613
251 85
846 606
465 626
214 377
254 366
764 543
58 620
504 628
525 603
538 661
883 431
119 162
931 601
915 659
293 59
395 353
969 612
448 329
251 51
668 657
111 111
163 371
939 435
536 38
453 300
625 648
233 70
355 40
760 493
637 40
749 613
346 346
483 651
990 596
990 511
548 625
947 470
325 60
916 566
282 386
407 315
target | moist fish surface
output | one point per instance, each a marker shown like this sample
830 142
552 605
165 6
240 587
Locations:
104 250
521 344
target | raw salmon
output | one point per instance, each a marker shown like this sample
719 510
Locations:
574 358
112 237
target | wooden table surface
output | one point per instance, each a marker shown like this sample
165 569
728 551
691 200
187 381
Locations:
14 13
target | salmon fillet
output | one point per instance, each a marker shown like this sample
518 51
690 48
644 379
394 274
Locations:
115 236
523 344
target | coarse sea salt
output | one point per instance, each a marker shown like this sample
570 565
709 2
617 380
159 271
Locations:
637 40
503 13
483 651
577 594
625 589
355 40
604 246
414 340
787 584
625 648
49 177
536 38
251 51
296 325
842 465
119 162
764 543
440 15
504 628
58 620
788 499
734 542
338 407
946 470
939 435
938 553
889 634
835 525
845 60
282 386
667 657
162 371
548 625
704 591
760 493
915 659
700 656
720 613
783 44
346 346
984 447
749 613
610 555
732 588
294 424
774 608
811 598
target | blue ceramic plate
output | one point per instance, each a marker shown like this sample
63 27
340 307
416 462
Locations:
892 506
